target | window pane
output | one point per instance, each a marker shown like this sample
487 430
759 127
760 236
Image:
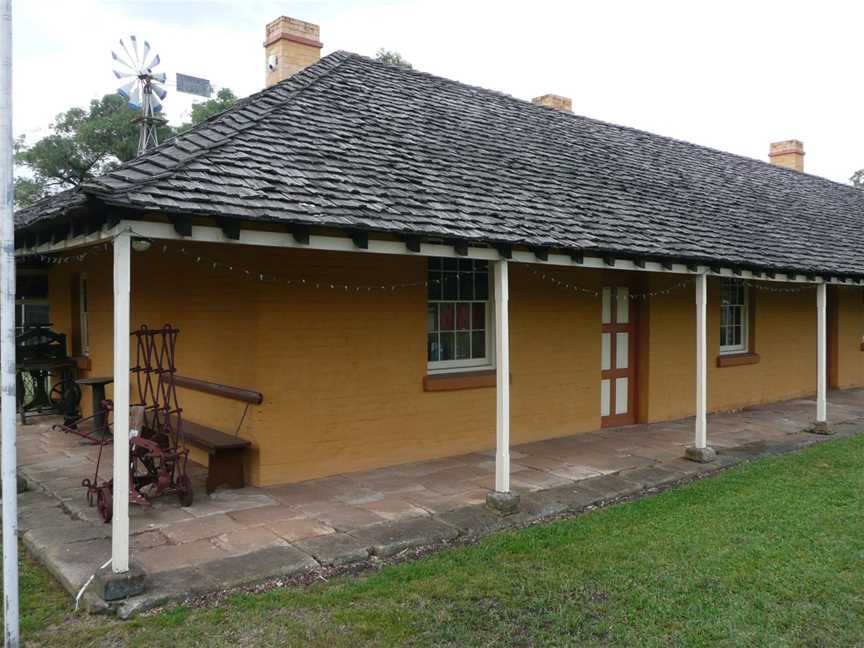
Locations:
463 346
466 285
481 266
451 290
445 317
434 263
466 265
446 350
622 316
478 344
478 316
463 316
432 317
605 397
622 404
434 280
432 347
606 316
622 350
450 263
481 285
605 351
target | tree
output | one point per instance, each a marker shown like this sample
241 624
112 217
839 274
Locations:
857 179
392 58
87 142
223 100
83 143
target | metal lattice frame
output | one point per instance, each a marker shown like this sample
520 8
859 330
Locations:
154 371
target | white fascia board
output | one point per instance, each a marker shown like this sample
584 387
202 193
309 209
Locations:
208 234
71 243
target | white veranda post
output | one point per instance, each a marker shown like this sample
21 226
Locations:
822 354
502 378
7 339
700 440
120 520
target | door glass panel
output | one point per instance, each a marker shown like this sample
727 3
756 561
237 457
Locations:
607 306
622 350
622 406
605 351
623 299
604 397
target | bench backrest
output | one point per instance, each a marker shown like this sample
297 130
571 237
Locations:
225 391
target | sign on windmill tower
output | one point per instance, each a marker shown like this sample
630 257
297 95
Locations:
194 85
145 92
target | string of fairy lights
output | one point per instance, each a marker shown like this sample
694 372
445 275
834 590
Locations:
266 276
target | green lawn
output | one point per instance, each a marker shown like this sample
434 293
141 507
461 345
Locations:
766 554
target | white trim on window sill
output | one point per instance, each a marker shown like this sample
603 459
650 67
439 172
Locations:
433 368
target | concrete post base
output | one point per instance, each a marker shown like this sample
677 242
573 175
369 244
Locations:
701 455
503 503
113 587
821 427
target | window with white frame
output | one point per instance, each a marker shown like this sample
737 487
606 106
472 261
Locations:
83 315
734 316
458 314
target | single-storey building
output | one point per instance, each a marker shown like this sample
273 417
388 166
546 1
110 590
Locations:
408 267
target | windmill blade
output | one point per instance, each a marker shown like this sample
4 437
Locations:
126 88
145 52
135 96
155 103
154 62
138 61
159 77
121 61
133 63
158 90
122 75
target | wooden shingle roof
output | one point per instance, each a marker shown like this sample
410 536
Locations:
351 142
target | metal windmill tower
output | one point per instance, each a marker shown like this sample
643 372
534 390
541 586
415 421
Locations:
143 90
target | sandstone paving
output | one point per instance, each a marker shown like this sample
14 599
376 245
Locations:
231 537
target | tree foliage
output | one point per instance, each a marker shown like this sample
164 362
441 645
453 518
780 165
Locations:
392 58
87 142
857 179
223 100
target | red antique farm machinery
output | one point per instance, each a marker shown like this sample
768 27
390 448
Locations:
157 451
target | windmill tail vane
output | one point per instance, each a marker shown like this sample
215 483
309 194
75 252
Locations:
142 88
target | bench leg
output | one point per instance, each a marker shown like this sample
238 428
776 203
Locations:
226 468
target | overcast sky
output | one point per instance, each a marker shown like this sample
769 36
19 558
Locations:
732 75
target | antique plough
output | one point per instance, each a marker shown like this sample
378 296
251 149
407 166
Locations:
157 452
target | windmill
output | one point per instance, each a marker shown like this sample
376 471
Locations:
143 89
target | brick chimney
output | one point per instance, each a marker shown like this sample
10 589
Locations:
564 104
789 154
290 45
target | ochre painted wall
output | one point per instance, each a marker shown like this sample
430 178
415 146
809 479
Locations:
342 373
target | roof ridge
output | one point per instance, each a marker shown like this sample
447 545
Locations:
316 71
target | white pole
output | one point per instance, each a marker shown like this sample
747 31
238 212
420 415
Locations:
821 353
8 465
120 519
502 378
701 428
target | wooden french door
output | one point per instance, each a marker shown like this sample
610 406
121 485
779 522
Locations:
617 358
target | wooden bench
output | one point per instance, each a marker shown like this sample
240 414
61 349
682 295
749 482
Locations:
225 451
